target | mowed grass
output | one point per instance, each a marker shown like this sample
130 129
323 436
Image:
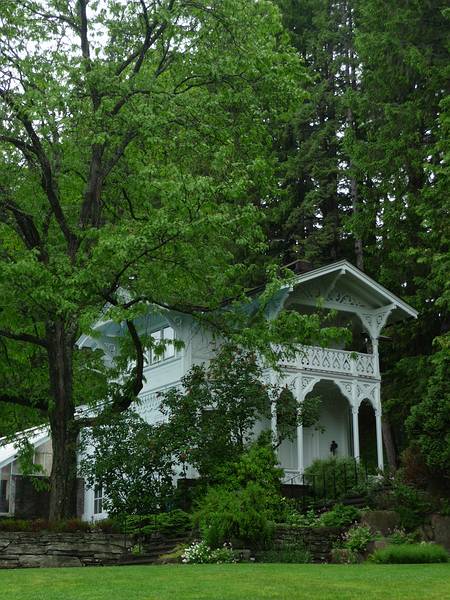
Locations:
229 582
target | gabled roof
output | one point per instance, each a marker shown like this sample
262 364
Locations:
357 278
9 448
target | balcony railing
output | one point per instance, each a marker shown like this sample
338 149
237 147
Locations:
149 403
343 362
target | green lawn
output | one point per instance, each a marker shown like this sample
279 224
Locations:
230 582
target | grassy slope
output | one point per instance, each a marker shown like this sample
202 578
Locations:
230 582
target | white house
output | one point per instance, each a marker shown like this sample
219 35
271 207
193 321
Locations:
346 380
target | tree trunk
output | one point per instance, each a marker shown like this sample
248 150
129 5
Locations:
63 428
388 439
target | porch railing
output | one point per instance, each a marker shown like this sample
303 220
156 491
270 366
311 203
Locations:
329 484
315 358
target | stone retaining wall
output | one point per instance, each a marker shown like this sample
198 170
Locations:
318 540
43 549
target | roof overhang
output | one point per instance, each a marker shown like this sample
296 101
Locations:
343 271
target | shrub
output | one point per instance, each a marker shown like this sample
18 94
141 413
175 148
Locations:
444 508
107 526
334 477
340 516
399 536
411 553
201 553
242 514
357 538
308 519
67 526
287 554
244 503
411 504
344 556
13 525
175 522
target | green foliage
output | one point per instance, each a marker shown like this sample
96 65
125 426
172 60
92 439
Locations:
294 553
400 537
411 553
201 553
429 421
411 504
28 467
127 457
258 464
298 519
334 477
344 556
175 522
366 177
133 158
64 526
210 420
340 516
107 526
357 538
227 515
243 505
445 507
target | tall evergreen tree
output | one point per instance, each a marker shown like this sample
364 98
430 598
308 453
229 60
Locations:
319 192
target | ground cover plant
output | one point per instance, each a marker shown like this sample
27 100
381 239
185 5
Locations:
411 553
231 582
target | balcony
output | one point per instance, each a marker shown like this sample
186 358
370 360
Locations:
341 362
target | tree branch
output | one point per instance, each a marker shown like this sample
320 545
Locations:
26 227
41 404
24 337
47 180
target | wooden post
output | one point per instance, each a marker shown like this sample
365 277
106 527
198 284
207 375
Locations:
299 397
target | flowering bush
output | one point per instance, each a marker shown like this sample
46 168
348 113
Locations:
399 536
357 538
201 553
308 519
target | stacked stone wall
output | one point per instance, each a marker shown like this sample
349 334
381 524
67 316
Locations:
44 549
318 540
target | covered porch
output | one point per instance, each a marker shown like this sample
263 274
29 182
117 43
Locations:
349 424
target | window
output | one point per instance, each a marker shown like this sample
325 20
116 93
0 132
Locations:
98 499
5 480
166 336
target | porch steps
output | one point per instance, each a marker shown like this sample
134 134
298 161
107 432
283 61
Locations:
357 501
153 550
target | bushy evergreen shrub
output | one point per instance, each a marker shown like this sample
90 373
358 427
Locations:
170 523
243 506
239 514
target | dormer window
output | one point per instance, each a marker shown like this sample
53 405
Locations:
167 335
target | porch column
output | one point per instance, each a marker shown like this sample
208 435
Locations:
355 411
379 430
376 359
299 396
273 413
379 440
